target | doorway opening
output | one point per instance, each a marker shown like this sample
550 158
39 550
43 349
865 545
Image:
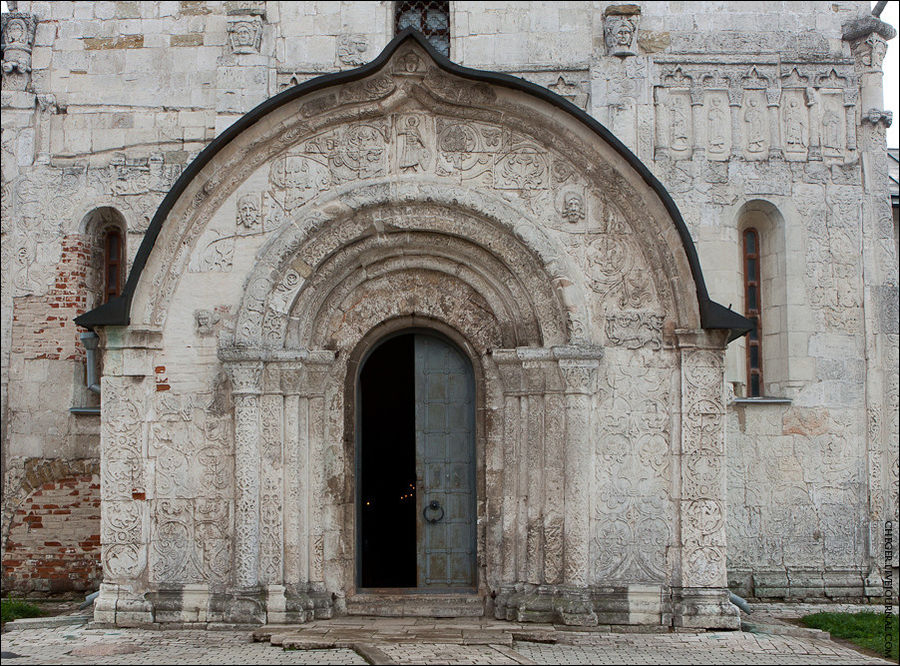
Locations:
388 466
416 444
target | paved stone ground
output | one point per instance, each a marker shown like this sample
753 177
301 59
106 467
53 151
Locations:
420 641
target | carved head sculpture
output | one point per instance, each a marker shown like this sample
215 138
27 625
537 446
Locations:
573 207
619 32
248 211
245 36
205 321
16 33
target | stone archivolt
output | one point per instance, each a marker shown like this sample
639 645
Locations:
414 198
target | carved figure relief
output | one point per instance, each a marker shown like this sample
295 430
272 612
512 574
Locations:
245 35
353 49
679 122
634 330
17 31
718 126
413 156
755 133
796 135
832 127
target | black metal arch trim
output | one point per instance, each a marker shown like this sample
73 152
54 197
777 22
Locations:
117 312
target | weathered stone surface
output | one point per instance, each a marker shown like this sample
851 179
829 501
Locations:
411 198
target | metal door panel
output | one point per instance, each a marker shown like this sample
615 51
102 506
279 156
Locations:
445 448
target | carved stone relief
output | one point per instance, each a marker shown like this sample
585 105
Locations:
632 520
249 213
635 329
353 49
799 112
245 35
617 273
718 125
620 26
17 31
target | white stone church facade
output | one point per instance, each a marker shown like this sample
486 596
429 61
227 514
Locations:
609 290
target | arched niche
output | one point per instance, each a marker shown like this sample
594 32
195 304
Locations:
775 274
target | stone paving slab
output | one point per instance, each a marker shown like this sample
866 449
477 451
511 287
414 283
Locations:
385 640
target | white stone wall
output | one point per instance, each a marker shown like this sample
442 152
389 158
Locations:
122 95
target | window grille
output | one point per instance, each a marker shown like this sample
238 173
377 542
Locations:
432 19
753 301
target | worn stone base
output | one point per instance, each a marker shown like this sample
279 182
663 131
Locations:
626 605
704 608
197 605
847 585
604 605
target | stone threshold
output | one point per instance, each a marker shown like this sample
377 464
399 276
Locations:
397 605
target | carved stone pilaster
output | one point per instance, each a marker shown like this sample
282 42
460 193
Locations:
580 377
868 37
773 102
735 101
245 381
703 594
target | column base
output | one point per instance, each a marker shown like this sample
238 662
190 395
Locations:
119 605
636 604
196 605
704 608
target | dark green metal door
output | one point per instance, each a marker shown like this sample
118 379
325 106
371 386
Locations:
445 469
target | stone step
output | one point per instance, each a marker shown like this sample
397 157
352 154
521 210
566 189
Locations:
418 605
47 622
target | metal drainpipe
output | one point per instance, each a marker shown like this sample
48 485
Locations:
90 340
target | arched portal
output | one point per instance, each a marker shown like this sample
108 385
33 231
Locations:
414 194
416 486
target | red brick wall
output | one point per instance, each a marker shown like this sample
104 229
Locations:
53 546
42 325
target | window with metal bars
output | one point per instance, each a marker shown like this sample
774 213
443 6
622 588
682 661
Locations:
753 302
112 264
432 19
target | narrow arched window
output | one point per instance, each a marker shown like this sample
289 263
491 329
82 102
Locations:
112 264
753 303
432 19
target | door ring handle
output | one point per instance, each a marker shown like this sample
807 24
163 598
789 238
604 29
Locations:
433 505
